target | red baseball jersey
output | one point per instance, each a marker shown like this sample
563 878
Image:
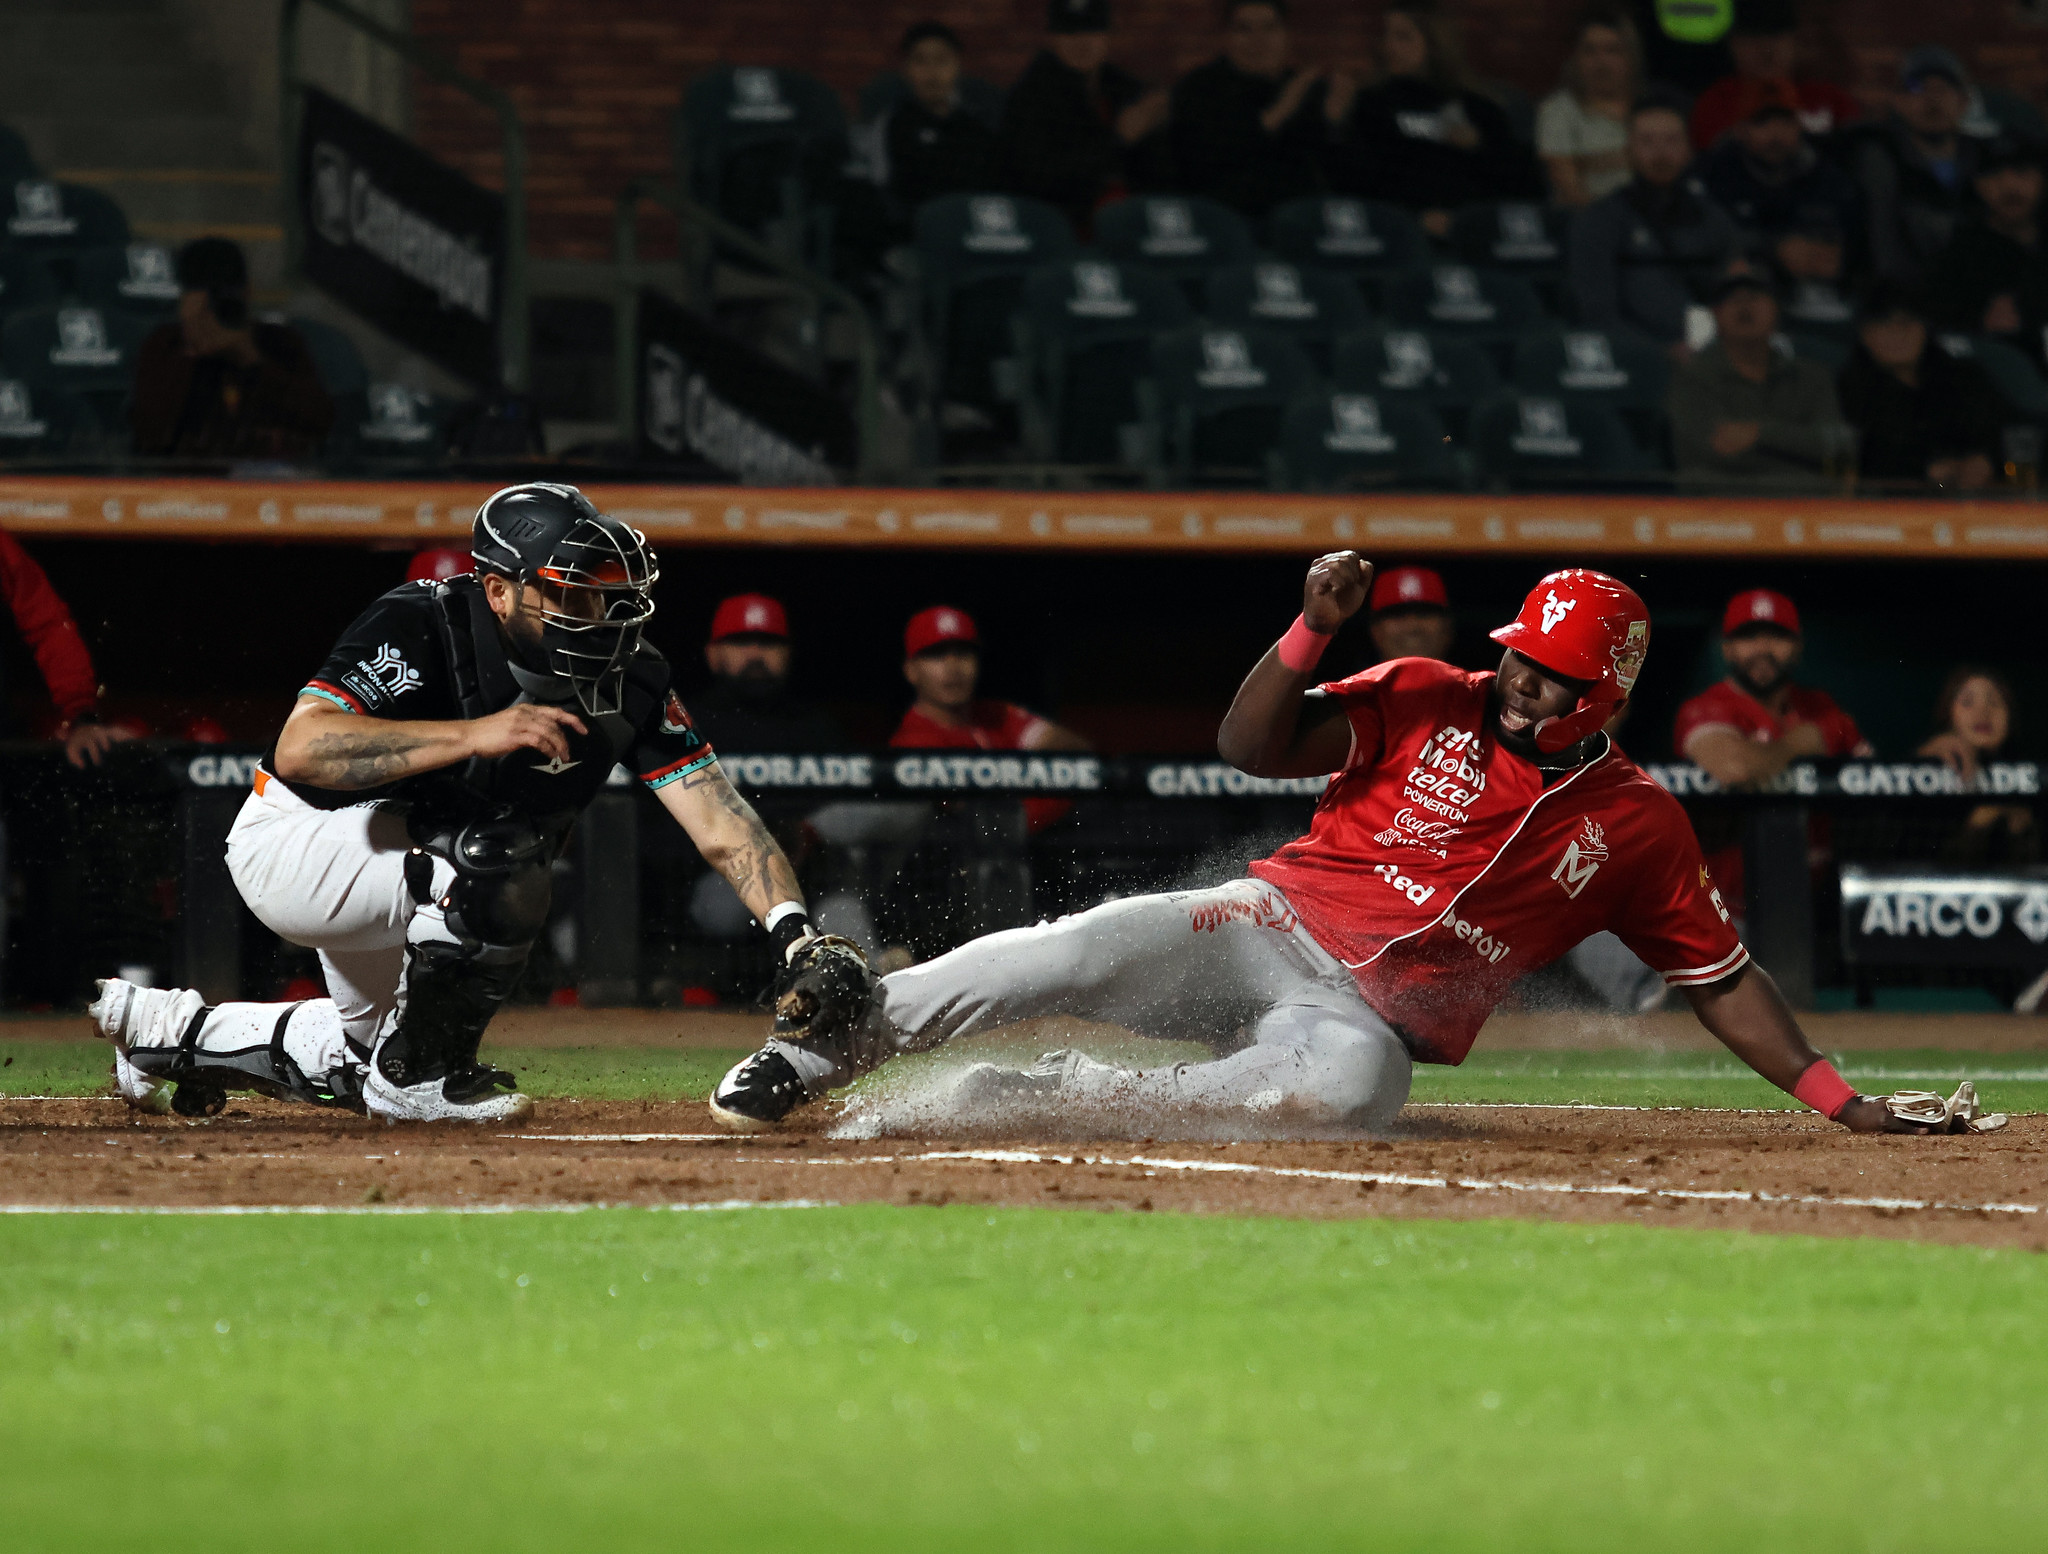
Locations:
1722 705
990 725
1440 866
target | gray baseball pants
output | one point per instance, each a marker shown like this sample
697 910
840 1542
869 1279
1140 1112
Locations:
1231 967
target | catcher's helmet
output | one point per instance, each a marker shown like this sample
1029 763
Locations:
595 575
1585 626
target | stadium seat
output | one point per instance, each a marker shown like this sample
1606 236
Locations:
973 252
25 282
16 161
1220 396
401 423
1311 307
1826 350
1179 235
1364 239
1455 301
762 146
1516 237
1450 376
1818 307
86 352
38 422
1336 441
139 278
1523 440
2017 379
1627 374
57 220
1084 336
979 99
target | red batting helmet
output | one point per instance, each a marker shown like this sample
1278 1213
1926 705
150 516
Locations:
1586 626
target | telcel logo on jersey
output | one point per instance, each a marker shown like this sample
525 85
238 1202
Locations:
1401 882
1582 858
1447 775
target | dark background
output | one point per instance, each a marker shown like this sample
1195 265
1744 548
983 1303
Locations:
1140 652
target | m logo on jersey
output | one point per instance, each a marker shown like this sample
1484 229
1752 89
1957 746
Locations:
1555 610
1582 858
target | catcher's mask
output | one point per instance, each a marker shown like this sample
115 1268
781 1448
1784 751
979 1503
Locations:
595 576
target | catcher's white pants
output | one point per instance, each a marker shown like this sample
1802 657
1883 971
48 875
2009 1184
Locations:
1214 966
333 881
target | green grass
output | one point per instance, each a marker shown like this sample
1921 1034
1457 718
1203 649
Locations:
881 1378
2013 1083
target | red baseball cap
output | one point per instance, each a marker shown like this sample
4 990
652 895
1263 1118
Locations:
438 563
941 623
750 615
1407 588
1760 607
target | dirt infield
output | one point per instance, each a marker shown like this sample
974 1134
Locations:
1780 1172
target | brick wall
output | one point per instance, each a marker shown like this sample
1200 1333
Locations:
596 79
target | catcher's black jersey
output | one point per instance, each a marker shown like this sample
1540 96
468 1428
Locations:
399 661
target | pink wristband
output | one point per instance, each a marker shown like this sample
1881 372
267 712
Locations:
1301 649
1826 1091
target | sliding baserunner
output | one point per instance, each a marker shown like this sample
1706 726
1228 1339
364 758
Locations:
406 822
1475 827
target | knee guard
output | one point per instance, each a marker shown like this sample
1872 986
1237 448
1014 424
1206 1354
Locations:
503 880
205 1069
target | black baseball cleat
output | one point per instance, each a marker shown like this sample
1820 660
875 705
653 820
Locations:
758 1092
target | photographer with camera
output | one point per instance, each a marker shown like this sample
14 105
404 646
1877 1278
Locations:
217 385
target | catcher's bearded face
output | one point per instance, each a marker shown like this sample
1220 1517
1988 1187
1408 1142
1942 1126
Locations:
1524 694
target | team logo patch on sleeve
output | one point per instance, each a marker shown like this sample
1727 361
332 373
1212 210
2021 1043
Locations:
674 720
382 677
1582 858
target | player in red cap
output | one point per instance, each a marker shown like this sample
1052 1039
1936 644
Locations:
1475 827
1409 614
1757 722
942 662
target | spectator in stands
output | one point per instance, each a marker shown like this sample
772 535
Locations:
46 627
1922 414
1424 136
1582 127
1972 726
1758 720
1791 202
438 563
216 384
1742 412
942 662
1993 276
1915 170
929 144
1078 131
1409 615
1247 128
1764 45
747 706
1644 255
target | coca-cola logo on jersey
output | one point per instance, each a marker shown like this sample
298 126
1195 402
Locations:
1447 776
1412 830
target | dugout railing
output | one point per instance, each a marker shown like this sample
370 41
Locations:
1852 873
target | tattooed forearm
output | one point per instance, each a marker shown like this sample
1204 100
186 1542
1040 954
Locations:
358 759
733 840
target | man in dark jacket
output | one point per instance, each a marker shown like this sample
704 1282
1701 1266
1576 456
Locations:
1922 414
931 145
216 385
1247 127
1993 276
1791 203
1644 255
1916 167
1078 131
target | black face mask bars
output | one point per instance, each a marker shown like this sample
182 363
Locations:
596 603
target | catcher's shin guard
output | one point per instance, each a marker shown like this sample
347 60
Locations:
451 993
292 1052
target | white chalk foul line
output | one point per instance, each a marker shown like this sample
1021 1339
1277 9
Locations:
239 1210
624 1138
1403 1179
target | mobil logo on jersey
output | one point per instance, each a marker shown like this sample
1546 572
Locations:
1582 857
1447 776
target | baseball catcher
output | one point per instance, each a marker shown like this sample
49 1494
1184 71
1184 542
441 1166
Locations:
406 821
1475 827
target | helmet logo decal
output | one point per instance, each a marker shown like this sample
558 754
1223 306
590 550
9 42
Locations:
1628 658
1555 610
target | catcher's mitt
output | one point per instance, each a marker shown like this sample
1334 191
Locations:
823 990
1960 1113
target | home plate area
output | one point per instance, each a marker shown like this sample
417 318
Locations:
1764 1171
